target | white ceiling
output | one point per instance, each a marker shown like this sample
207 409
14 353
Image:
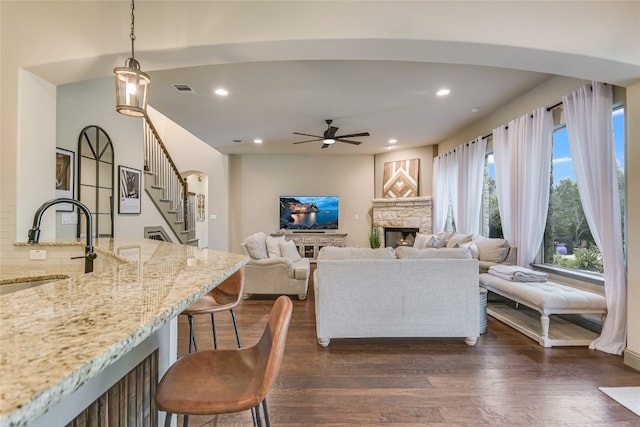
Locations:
374 68
388 99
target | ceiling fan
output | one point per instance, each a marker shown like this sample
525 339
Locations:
330 136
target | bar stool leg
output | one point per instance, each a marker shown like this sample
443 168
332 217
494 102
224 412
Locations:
258 419
235 326
167 419
266 413
213 328
192 335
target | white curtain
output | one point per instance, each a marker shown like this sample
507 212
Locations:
588 116
522 154
444 182
471 159
452 177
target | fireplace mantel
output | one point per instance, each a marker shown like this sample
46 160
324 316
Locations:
404 212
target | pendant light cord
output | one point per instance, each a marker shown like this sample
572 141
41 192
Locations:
132 36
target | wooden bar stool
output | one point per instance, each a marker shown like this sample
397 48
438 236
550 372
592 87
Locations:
211 382
226 296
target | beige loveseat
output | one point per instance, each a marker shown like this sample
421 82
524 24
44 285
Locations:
275 267
362 292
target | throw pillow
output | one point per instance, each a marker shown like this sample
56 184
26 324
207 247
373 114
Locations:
492 250
471 246
273 246
289 250
256 245
421 240
436 242
458 239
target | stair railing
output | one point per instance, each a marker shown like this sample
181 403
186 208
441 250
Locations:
166 176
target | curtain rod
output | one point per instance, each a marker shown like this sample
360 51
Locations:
552 107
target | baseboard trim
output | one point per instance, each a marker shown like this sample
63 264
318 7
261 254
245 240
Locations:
632 359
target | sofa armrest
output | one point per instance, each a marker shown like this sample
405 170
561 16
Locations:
270 261
512 256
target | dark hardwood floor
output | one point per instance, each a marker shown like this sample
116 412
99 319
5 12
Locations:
506 379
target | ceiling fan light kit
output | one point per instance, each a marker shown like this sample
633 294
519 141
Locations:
329 137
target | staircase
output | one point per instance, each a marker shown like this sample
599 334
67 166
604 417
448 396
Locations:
167 188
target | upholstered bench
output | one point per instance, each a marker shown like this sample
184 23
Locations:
547 298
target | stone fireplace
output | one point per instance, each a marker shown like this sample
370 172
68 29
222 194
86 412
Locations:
402 216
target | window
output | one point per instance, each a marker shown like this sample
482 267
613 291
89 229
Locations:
568 243
491 223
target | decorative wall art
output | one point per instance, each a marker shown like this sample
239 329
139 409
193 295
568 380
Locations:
400 178
130 187
200 207
64 178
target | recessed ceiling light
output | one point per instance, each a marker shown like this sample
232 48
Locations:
390 147
257 141
222 92
475 109
393 141
443 92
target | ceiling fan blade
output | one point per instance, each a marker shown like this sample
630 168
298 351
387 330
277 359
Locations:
349 142
352 135
332 131
309 140
325 145
307 134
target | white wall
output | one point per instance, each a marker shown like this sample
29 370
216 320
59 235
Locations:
36 156
258 180
632 112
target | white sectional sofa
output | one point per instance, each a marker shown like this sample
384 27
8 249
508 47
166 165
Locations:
362 292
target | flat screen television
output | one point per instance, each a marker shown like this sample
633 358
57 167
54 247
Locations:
315 213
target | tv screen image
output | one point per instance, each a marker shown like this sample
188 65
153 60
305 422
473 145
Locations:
309 212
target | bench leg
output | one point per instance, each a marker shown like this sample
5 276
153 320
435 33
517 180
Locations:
544 321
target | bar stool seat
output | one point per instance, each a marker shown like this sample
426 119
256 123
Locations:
224 297
210 382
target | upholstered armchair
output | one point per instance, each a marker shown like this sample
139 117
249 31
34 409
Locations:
275 267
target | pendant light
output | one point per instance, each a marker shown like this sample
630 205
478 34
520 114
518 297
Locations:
132 85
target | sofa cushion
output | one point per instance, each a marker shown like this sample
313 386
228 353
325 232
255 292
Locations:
289 250
405 252
492 250
256 245
458 239
273 246
337 253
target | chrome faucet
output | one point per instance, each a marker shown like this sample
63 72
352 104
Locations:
34 232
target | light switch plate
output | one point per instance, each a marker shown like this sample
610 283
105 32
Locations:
69 218
38 254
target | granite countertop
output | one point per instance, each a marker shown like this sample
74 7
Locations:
56 336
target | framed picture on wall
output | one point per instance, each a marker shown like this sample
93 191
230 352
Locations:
129 190
64 178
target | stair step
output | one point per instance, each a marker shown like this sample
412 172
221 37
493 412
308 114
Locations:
157 187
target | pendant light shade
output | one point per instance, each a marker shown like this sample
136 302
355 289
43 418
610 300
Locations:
132 85
132 89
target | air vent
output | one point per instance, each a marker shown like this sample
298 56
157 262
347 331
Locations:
183 88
